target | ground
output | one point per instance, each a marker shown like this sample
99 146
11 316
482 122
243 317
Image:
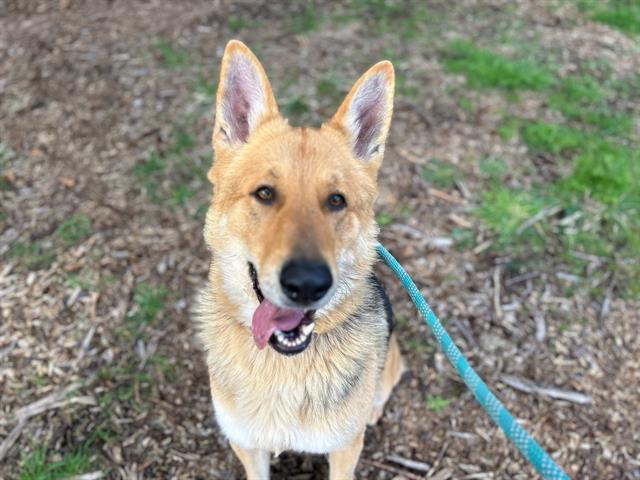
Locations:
509 192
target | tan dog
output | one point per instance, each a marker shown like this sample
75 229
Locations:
296 327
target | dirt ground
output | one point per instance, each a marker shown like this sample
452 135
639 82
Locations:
98 357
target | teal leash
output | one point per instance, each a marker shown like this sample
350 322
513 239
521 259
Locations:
531 450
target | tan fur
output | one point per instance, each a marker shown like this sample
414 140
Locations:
340 382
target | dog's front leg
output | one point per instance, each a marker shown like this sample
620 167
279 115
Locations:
342 463
255 462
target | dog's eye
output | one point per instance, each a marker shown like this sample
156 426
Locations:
265 194
337 201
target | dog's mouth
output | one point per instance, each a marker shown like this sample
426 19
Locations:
287 330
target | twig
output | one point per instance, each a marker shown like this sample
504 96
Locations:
89 476
446 196
389 468
496 292
50 401
482 247
407 462
458 220
436 464
545 212
541 327
8 442
528 386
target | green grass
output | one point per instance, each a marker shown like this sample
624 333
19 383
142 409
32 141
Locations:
494 168
623 15
74 229
306 20
171 56
237 23
384 219
38 466
486 69
295 109
551 137
601 197
405 18
207 87
150 302
440 174
437 403
33 255
509 128
174 176
504 210
404 88
607 172
582 99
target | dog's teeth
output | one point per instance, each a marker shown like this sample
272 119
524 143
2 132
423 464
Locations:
306 329
280 336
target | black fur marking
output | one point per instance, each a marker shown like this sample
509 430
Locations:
382 294
254 280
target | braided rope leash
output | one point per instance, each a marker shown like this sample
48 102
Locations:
531 450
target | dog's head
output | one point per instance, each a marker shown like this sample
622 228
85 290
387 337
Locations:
291 224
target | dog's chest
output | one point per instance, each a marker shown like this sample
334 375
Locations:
278 409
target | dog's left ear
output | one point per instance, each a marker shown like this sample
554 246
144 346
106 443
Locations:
365 114
244 97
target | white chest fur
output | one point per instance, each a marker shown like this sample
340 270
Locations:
281 408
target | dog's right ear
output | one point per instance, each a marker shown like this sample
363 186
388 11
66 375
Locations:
244 97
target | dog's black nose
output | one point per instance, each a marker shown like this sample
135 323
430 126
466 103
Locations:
305 281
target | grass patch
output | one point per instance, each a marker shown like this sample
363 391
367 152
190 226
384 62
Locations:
494 168
486 69
597 213
171 56
237 23
509 128
623 15
32 255
37 466
406 19
306 20
505 210
608 172
173 176
149 303
440 174
437 403
206 87
582 99
295 109
74 229
551 137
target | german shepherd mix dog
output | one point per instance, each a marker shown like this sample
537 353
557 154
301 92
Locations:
297 329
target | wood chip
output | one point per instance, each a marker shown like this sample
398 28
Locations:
406 462
447 197
528 386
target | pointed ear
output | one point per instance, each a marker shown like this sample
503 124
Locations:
244 97
365 114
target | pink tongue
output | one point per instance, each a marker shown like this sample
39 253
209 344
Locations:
268 318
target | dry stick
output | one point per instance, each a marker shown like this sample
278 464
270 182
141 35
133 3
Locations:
89 476
50 401
407 462
496 292
389 468
436 464
528 386
545 212
8 442
447 197
541 327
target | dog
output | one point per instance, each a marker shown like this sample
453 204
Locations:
298 331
